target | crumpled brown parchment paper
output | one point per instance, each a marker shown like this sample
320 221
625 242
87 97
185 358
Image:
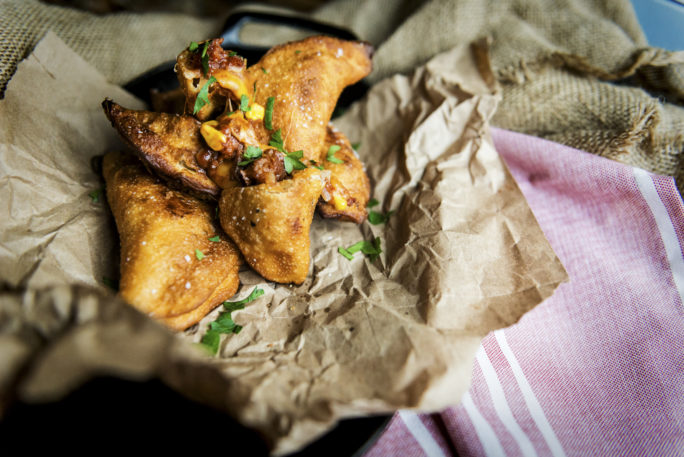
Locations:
463 256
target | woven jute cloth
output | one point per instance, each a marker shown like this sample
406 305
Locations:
578 72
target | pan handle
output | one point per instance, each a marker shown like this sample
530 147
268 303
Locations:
237 21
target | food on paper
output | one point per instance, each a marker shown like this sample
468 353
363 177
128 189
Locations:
176 263
348 189
258 139
270 224
166 143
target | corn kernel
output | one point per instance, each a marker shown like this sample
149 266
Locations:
256 112
339 202
212 136
230 81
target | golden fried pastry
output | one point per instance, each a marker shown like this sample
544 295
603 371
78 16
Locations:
348 190
270 224
168 145
171 267
196 65
306 78
258 136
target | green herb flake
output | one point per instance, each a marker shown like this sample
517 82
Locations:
250 155
292 162
264 70
297 51
276 141
232 53
268 114
193 46
356 146
331 154
235 305
95 195
315 165
345 253
215 239
371 249
224 323
244 103
205 57
211 341
376 218
199 254
372 202
203 95
291 159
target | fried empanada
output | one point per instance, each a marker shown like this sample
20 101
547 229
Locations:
167 144
270 224
306 78
265 129
170 268
348 191
195 67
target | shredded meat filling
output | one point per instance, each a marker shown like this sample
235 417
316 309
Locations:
267 169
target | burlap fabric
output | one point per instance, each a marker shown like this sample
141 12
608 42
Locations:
578 72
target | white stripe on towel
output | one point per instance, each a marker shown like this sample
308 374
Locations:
488 439
421 434
530 398
665 227
501 405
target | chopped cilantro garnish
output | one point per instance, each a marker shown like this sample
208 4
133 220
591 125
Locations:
276 141
203 96
199 254
234 305
211 340
315 165
331 154
251 153
224 323
215 239
376 218
205 57
95 195
244 103
268 115
372 202
371 249
232 53
345 253
292 161
297 51
264 70
193 46
356 146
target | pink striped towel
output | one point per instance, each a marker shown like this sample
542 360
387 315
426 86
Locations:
598 369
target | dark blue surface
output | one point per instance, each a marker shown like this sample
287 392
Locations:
662 21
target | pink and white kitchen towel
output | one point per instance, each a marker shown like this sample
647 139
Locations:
597 369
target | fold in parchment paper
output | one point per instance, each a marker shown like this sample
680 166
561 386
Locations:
463 255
